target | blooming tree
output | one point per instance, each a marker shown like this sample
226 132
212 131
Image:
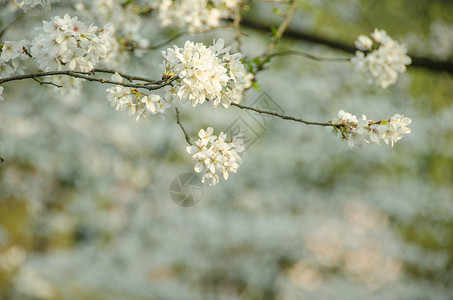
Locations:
196 73
152 59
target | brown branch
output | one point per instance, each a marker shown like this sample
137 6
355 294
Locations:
128 77
87 76
417 61
284 117
46 82
178 121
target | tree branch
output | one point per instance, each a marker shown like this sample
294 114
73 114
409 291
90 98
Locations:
46 82
417 61
87 76
128 77
287 117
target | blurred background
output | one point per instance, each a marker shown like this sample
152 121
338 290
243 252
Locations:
85 210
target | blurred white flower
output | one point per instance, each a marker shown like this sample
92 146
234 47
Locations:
196 15
441 39
384 63
363 43
27 5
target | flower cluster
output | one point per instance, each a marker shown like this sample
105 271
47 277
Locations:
11 53
382 63
68 44
205 74
197 15
135 102
125 19
358 132
27 5
214 154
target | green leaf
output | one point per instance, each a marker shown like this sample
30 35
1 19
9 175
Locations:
274 31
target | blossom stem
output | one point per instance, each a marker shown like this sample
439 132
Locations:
178 121
288 117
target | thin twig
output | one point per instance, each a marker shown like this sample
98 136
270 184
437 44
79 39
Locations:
46 82
281 29
287 117
300 53
87 76
167 41
178 121
187 32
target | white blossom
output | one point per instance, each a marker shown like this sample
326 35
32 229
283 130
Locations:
133 101
363 43
6 69
125 21
27 5
357 132
1 93
14 50
205 74
196 15
68 44
216 155
384 63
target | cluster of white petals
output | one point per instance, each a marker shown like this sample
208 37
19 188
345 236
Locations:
360 131
68 44
215 154
135 102
383 63
123 16
205 74
196 15
27 5
11 53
